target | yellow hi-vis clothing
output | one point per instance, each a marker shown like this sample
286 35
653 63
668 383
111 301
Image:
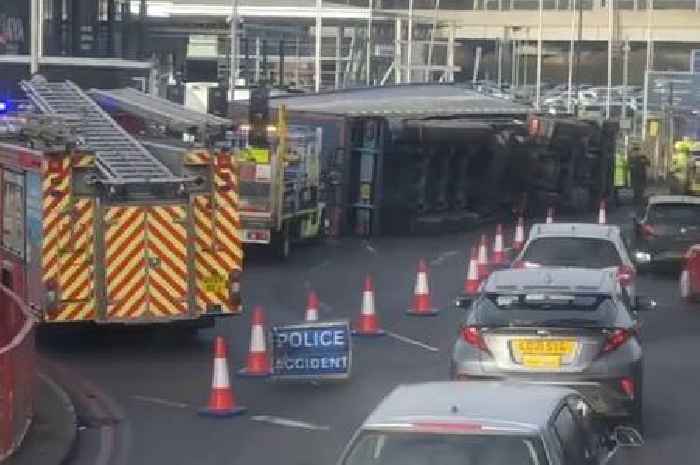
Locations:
679 162
621 170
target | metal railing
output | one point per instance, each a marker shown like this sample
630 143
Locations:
17 370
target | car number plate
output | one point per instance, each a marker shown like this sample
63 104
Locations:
215 284
541 361
545 346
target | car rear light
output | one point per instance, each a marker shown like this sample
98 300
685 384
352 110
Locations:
472 336
615 339
521 264
625 275
648 231
627 386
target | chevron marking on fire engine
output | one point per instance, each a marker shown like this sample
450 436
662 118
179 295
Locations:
167 251
197 158
67 253
218 247
125 256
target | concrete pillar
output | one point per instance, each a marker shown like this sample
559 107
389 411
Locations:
35 39
452 32
340 32
317 48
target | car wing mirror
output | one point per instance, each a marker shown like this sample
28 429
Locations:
464 302
644 304
626 436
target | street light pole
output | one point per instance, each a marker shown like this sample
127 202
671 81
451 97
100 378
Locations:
233 59
369 43
569 100
409 59
611 26
538 91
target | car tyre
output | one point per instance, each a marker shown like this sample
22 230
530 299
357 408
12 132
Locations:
636 420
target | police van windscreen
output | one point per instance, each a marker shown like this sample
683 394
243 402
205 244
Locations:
419 448
580 252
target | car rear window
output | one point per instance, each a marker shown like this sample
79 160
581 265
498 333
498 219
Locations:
674 213
416 448
580 252
577 310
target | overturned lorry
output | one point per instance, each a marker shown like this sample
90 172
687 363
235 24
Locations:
432 158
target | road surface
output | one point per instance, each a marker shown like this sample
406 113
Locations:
160 378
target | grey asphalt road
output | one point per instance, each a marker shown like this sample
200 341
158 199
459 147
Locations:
160 378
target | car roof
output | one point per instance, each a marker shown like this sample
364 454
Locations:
512 407
578 280
657 199
592 230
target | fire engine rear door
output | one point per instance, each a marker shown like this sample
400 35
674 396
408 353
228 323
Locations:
146 262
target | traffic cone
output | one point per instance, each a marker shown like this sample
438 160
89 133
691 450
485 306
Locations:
498 258
550 215
222 402
421 294
602 214
519 239
471 284
482 268
311 307
368 324
258 363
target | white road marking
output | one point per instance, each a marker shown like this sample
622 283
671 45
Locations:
288 422
408 340
156 400
440 259
369 247
321 265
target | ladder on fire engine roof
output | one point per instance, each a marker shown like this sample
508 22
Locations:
162 111
119 157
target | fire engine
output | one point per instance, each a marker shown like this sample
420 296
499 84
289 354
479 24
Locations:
95 227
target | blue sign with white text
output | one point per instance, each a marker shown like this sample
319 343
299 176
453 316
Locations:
312 350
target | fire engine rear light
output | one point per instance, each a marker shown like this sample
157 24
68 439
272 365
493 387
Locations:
627 386
472 336
616 339
234 287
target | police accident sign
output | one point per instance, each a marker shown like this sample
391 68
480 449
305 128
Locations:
312 350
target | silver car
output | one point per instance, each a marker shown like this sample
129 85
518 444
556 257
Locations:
580 245
554 326
485 424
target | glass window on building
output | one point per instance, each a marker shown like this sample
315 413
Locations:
13 212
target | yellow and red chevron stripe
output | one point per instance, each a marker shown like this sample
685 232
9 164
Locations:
125 262
218 247
197 157
167 255
68 248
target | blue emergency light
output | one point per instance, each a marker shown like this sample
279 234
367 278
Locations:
3 106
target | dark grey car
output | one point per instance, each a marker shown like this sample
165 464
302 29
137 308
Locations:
556 326
669 225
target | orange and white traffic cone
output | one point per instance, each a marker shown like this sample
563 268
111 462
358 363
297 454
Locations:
550 215
258 362
421 294
311 307
498 257
222 402
482 268
519 239
602 214
368 323
471 284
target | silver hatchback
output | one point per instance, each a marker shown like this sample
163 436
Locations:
485 424
557 326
